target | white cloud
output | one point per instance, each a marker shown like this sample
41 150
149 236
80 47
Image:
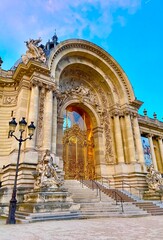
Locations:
32 16
25 19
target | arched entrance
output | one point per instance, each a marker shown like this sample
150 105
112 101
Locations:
78 146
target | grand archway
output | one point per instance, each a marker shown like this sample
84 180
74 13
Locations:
78 144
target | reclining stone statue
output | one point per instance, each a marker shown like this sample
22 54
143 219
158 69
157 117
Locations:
154 179
46 173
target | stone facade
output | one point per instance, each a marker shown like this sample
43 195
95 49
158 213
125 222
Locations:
79 77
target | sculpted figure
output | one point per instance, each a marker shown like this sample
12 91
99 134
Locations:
82 90
154 179
46 174
34 51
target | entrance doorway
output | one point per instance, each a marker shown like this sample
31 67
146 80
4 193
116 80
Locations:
78 144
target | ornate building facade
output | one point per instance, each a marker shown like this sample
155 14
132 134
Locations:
85 112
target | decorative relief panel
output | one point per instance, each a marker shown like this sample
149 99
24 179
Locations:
76 90
40 123
9 100
108 142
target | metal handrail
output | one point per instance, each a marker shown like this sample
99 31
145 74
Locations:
123 183
92 186
116 196
102 178
116 199
130 187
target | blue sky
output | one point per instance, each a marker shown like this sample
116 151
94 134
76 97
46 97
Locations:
130 30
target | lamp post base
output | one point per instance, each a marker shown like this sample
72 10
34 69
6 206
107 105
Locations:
12 210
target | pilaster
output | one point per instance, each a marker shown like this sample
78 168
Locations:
160 143
48 113
99 151
152 151
54 125
33 114
59 150
118 139
139 147
130 139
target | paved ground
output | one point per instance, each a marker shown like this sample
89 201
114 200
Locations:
142 228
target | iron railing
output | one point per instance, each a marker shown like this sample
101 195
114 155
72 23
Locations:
100 188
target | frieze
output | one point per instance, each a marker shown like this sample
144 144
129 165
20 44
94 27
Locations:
83 94
41 84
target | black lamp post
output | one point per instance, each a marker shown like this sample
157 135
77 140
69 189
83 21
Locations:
12 127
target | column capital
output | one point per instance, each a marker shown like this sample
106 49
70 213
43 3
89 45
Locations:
126 113
129 112
135 115
33 83
98 129
60 120
115 113
159 137
49 86
150 135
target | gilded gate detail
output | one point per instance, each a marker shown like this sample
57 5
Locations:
78 154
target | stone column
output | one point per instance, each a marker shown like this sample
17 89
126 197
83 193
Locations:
130 139
152 152
48 112
33 114
99 151
54 125
59 150
118 139
161 149
139 147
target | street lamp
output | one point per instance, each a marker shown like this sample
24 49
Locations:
22 127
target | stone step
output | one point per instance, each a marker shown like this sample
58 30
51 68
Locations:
150 207
26 218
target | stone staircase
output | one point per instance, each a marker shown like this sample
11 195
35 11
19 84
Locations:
24 217
98 204
152 208
87 203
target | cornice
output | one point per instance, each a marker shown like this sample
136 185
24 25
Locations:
29 68
136 104
150 123
6 78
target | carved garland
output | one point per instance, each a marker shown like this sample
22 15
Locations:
105 119
40 118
